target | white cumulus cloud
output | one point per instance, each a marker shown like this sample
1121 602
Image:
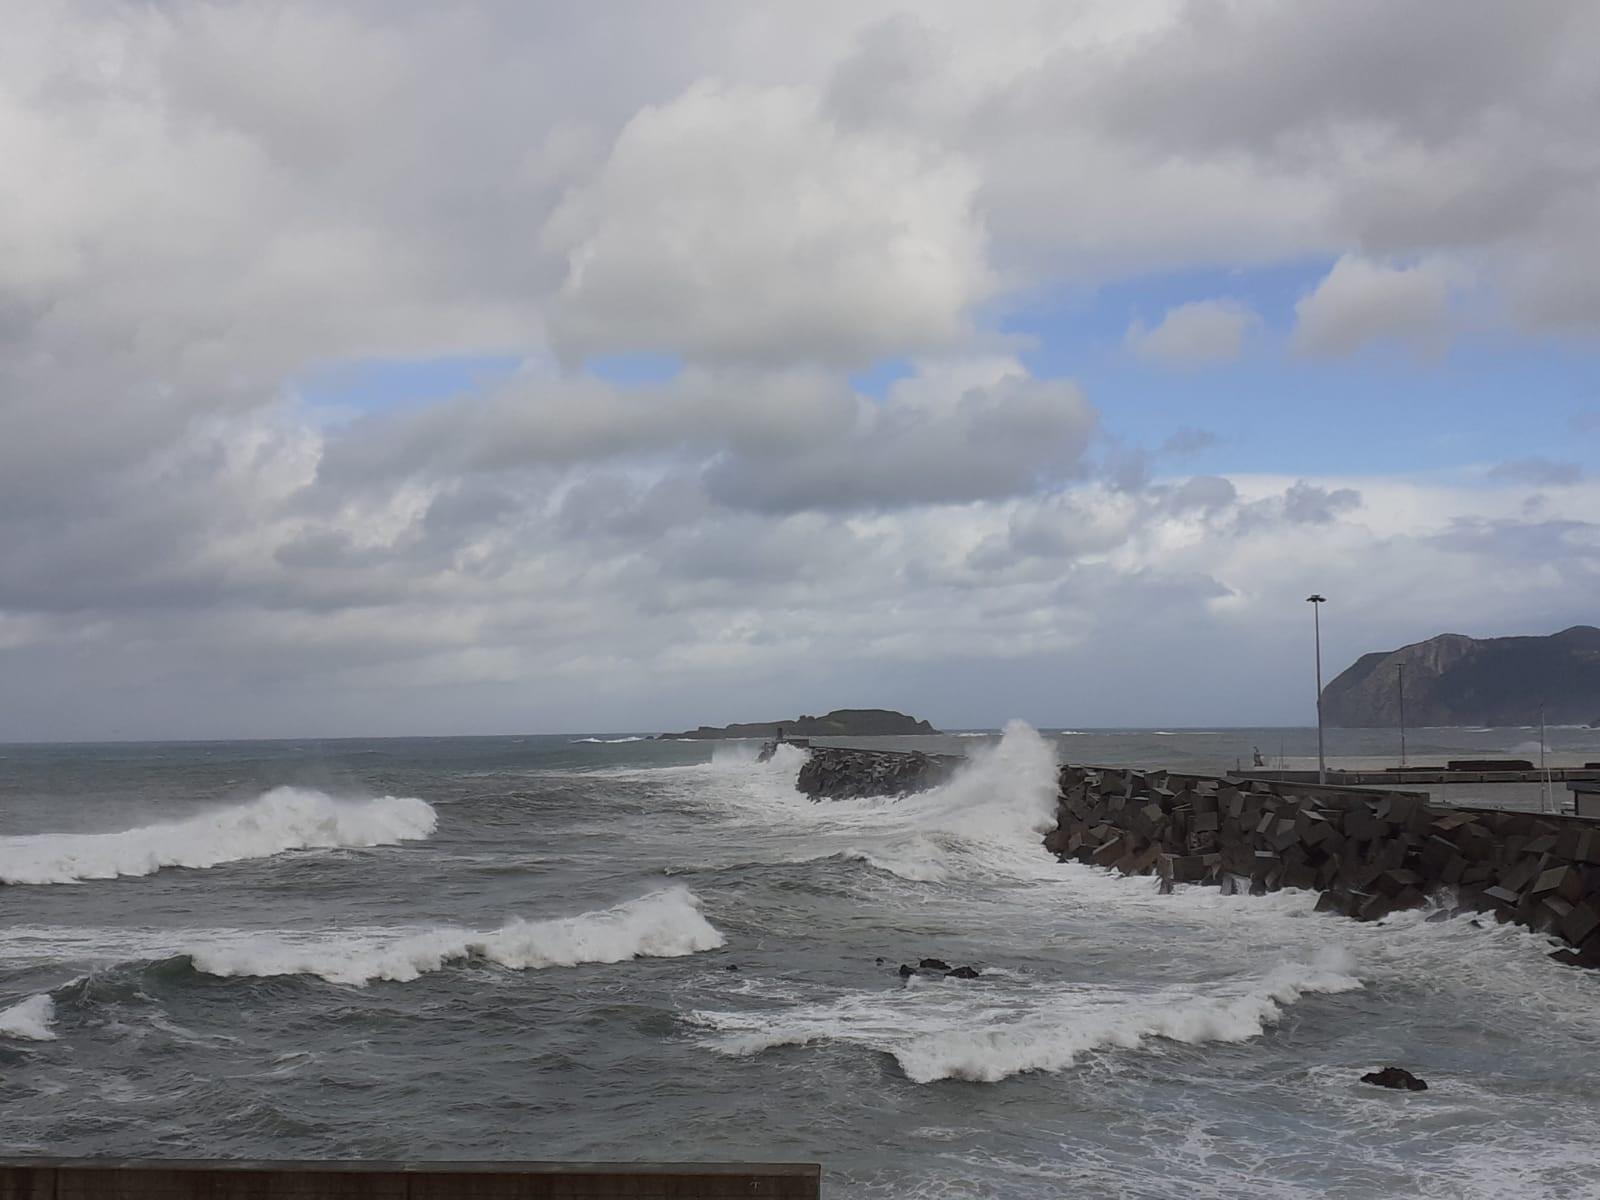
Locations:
1198 334
745 224
1360 302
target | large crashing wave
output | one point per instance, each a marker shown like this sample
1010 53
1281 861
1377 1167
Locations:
664 924
941 1030
285 818
987 822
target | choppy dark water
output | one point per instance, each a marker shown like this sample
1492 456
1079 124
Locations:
518 948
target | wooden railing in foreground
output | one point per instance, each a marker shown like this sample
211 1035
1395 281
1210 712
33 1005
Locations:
216 1179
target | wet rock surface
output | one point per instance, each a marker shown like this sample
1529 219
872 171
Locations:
839 773
1397 1078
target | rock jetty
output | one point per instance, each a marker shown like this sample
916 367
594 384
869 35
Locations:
1369 854
838 773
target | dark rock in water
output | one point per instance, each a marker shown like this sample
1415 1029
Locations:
841 773
731 967
879 960
934 964
1568 958
961 973
1395 1077
907 972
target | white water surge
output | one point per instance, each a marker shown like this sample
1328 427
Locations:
985 824
286 818
664 924
948 1029
29 1020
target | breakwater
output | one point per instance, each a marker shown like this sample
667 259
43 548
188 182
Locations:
1368 853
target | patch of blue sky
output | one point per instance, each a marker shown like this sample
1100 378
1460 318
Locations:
877 379
356 387
1382 410
636 369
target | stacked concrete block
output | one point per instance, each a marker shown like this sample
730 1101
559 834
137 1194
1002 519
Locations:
1369 854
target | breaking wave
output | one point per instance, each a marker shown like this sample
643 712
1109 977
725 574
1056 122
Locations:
663 924
616 741
286 818
986 822
937 1029
29 1020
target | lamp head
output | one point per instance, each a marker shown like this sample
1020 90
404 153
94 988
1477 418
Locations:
1316 599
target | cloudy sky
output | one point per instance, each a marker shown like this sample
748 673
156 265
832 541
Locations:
414 368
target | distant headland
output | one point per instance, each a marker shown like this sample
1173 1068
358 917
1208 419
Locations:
841 722
1456 680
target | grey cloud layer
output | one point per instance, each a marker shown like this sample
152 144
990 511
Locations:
202 203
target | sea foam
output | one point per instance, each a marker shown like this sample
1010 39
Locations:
938 1029
986 823
286 818
29 1020
663 924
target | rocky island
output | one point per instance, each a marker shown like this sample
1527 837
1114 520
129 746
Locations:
841 722
1457 680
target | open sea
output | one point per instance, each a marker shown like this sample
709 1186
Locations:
566 948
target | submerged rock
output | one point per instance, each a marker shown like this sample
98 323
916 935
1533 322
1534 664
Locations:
962 973
907 972
1397 1078
934 964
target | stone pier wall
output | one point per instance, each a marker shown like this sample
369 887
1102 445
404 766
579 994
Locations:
1368 854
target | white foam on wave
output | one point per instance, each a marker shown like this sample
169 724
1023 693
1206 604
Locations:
939 1029
29 1020
663 924
986 822
286 818
616 741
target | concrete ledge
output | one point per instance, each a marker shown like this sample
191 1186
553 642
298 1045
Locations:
214 1179
1387 778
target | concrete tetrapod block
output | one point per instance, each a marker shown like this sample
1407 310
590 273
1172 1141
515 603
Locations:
1109 852
1502 897
1583 920
1393 882
1565 881
1301 876
1333 900
1517 878
1182 868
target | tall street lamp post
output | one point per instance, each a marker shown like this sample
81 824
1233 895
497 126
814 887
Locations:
1316 603
1400 668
